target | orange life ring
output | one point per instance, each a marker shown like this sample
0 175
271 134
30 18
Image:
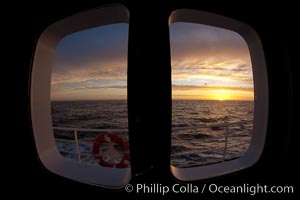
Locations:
111 138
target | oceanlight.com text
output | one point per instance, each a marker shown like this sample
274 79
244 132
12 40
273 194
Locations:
250 189
157 188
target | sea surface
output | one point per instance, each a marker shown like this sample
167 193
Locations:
204 132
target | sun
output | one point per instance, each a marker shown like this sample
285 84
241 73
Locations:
221 95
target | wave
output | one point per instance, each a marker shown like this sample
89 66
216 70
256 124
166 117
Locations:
186 136
179 148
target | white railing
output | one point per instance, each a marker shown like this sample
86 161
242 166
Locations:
77 142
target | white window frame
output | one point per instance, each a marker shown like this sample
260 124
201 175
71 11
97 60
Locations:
41 104
261 98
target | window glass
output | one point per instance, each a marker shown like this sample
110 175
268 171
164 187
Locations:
89 96
212 95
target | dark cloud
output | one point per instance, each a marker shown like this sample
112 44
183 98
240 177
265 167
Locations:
196 40
101 87
90 84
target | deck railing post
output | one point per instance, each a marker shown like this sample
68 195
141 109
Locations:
77 145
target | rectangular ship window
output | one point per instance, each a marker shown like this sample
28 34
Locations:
212 95
89 96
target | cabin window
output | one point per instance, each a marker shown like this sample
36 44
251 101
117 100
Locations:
88 94
79 97
212 95
214 99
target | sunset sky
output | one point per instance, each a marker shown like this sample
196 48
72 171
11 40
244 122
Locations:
91 64
207 63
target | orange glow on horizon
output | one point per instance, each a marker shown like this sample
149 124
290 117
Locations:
213 93
222 95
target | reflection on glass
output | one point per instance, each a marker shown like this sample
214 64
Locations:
89 96
212 93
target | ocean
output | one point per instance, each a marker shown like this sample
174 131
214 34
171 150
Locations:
198 136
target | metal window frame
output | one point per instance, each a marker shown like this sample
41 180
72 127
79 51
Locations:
40 98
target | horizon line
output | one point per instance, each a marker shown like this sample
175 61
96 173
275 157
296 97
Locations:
172 100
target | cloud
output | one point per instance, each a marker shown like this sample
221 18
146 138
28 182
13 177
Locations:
85 49
118 73
91 64
89 84
190 40
205 54
194 87
101 87
94 54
